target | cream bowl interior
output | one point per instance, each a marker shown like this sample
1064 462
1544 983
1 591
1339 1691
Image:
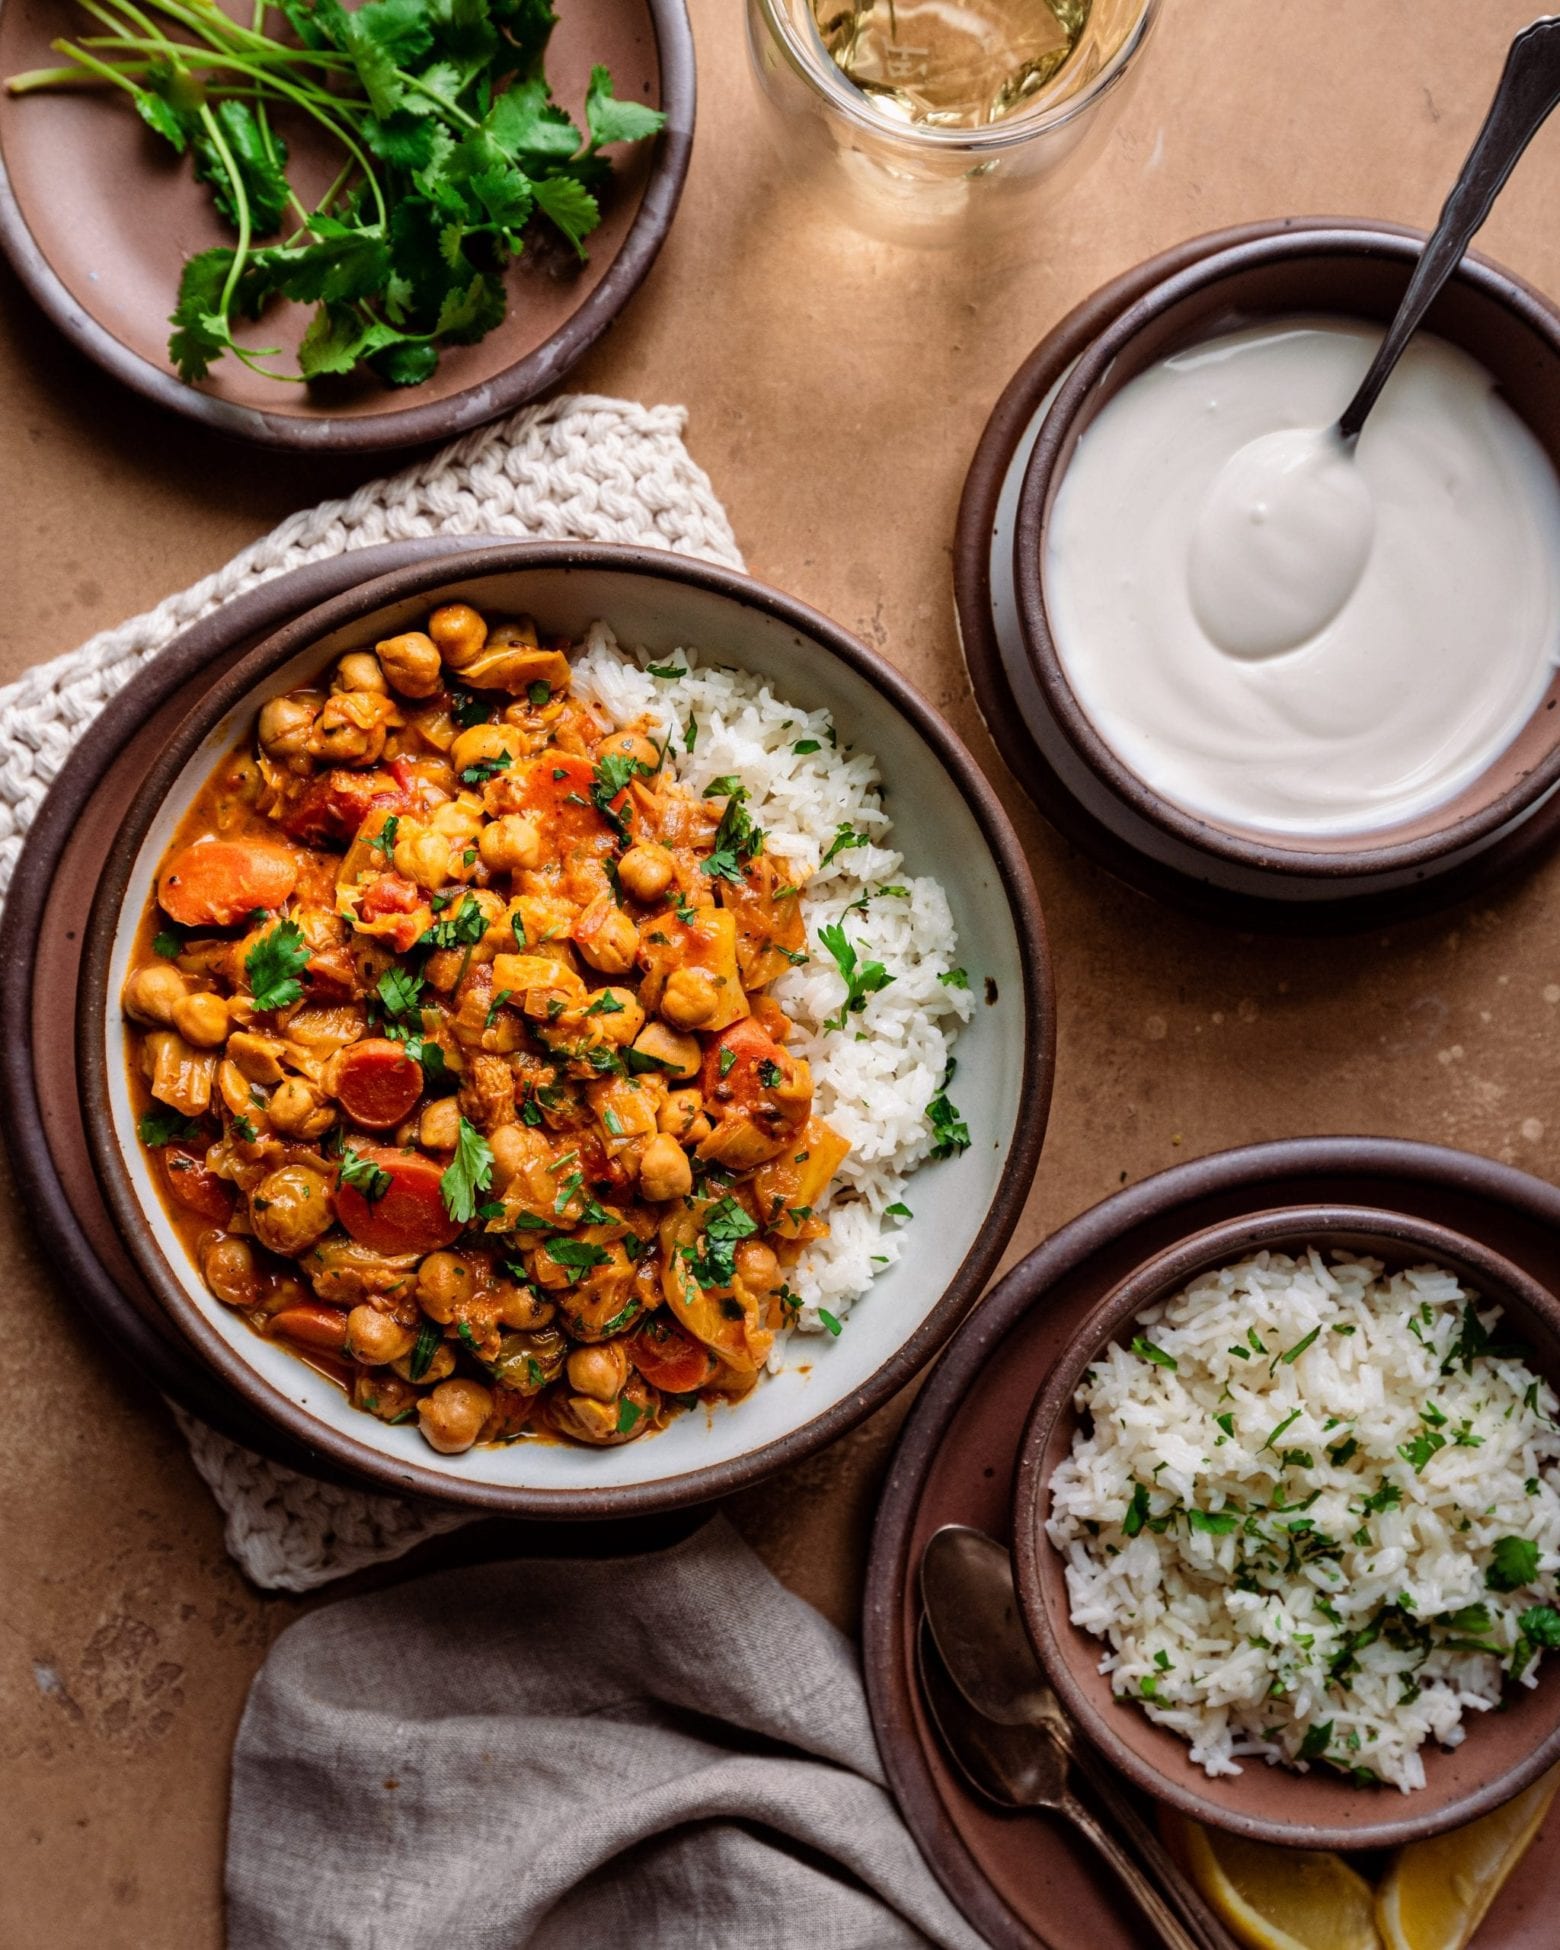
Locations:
964 1207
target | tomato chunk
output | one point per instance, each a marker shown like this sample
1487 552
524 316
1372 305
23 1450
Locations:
730 1077
335 805
215 883
377 1082
410 1216
556 792
195 1188
669 1359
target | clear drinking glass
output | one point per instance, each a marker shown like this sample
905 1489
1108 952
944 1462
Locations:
912 183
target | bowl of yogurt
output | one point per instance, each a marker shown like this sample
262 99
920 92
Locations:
1290 665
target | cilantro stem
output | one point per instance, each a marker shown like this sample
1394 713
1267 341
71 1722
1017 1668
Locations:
241 208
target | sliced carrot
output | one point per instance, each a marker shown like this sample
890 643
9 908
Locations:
410 1216
377 1082
669 1359
312 1324
195 1188
215 883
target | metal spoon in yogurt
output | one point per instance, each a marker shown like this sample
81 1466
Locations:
1285 533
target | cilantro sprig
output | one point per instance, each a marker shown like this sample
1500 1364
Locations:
862 979
451 151
470 1171
274 965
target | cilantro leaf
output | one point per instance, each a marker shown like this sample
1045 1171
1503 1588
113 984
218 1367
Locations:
1514 1564
949 1129
570 207
159 1127
862 979
470 1171
363 1175
611 120
274 964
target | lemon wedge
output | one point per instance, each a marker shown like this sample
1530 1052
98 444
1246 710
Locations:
1276 1898
1436 1893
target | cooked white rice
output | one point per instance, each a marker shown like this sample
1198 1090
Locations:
875 1077
1333 1453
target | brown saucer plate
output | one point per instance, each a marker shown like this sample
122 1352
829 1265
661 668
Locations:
41 933
1003 434
97 215
1023 1881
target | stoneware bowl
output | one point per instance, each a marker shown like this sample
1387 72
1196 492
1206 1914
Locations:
1503 1751
1355 273
97 216
948 823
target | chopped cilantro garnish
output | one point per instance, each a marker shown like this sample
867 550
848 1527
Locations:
274 965
470 1171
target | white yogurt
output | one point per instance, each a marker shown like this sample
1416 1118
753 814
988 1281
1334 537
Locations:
1285 634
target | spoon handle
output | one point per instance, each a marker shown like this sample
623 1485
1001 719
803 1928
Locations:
1529 88
1173 1933
1141 1839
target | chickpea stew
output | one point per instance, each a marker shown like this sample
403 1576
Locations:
452 1027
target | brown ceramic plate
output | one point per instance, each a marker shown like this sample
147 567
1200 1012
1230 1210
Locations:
951 826
1503 1752
1024 1881
1003 448
41 932
98 215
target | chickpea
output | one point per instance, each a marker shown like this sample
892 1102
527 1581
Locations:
522 1310
443 1281
606 937
630 744
299 1109
375 1339
201 1019
229 1266
689 998
438 1129
510 845
151 994
600 1371
479 743
440 1363
424 858
512 1152
286 724
382 1395
514 633
359 670
292 1208
451 1417
664 1170
622 1024
460 634
351 729
679 1052
645 872
757 1267
682 1116
410 663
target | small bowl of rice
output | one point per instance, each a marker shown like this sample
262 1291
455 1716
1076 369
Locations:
1287 1527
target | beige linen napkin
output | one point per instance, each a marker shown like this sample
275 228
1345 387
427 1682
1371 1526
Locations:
668 1752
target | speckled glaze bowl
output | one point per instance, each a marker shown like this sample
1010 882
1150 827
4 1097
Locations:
1311 268
1502 1753
948 823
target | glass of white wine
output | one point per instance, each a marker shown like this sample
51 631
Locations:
931 121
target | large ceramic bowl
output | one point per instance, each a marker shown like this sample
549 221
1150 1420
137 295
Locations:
947 822
97 217
1502 1753
1310 268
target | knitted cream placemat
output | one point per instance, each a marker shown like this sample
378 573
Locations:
578 469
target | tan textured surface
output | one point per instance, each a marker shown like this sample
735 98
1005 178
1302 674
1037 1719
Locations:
837 389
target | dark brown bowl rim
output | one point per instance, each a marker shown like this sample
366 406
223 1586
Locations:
1162 1272
714 1480
414 424
1275 854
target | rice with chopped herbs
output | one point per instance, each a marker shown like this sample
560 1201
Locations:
879 1055
1317 1516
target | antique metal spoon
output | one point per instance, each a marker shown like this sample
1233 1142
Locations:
1021 1767
1529 89
972 1614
